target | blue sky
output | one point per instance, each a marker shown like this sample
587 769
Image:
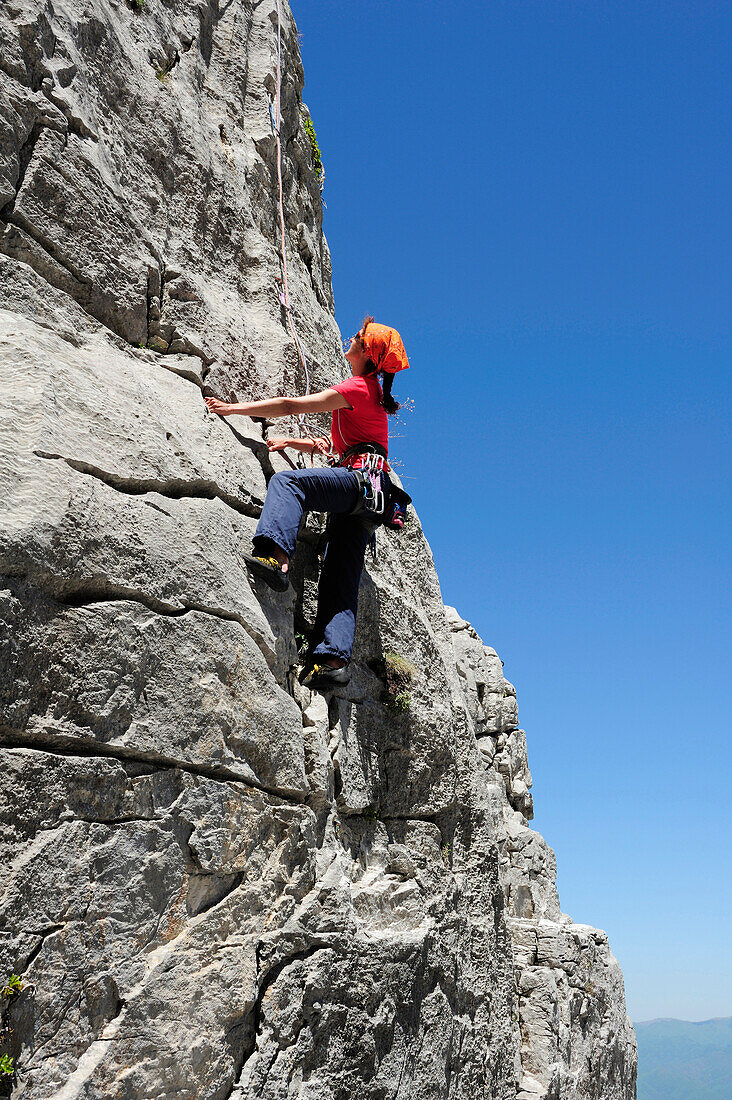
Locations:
536 194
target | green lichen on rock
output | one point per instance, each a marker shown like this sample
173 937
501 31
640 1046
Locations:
397 674
156 343
315 148
399 703
13 987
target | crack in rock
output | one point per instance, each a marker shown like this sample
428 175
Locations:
93 1055
59 745
80 592
44 934
77 592
25 156
206 891
18 226
269 976
176 488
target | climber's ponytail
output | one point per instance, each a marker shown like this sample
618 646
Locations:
390 403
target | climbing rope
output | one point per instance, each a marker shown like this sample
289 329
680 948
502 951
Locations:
304 427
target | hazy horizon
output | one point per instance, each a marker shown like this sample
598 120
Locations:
677 1020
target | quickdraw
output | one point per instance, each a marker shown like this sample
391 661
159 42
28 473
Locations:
380 501
371 498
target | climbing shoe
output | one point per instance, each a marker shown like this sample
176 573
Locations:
323 676
269 570
307 663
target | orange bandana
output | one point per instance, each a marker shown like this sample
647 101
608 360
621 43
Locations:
384 345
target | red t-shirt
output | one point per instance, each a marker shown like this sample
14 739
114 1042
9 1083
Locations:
365 421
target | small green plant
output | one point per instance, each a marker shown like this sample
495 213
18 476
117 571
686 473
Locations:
446 849
399 673
137 5
14 987
396 673
370 813
399 703
398 668
156 343
167 66
315 148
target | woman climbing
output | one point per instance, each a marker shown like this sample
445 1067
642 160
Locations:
360 434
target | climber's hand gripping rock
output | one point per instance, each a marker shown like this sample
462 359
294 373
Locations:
308 444
221 408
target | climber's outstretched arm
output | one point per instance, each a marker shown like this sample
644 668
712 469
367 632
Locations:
325 401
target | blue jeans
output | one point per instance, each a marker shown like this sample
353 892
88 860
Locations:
334 490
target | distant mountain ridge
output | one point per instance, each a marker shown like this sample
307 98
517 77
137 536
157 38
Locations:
682 1060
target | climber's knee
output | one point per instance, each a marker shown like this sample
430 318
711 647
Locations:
281 485
279 478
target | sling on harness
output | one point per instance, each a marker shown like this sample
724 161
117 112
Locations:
371 504
380 501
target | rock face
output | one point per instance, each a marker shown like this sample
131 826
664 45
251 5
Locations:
216 883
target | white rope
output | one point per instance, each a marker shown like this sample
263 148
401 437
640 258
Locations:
303 426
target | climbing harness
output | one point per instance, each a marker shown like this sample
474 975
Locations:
360 450
380 501
367 458
371 476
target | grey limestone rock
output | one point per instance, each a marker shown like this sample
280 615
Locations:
217 883
576 1040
